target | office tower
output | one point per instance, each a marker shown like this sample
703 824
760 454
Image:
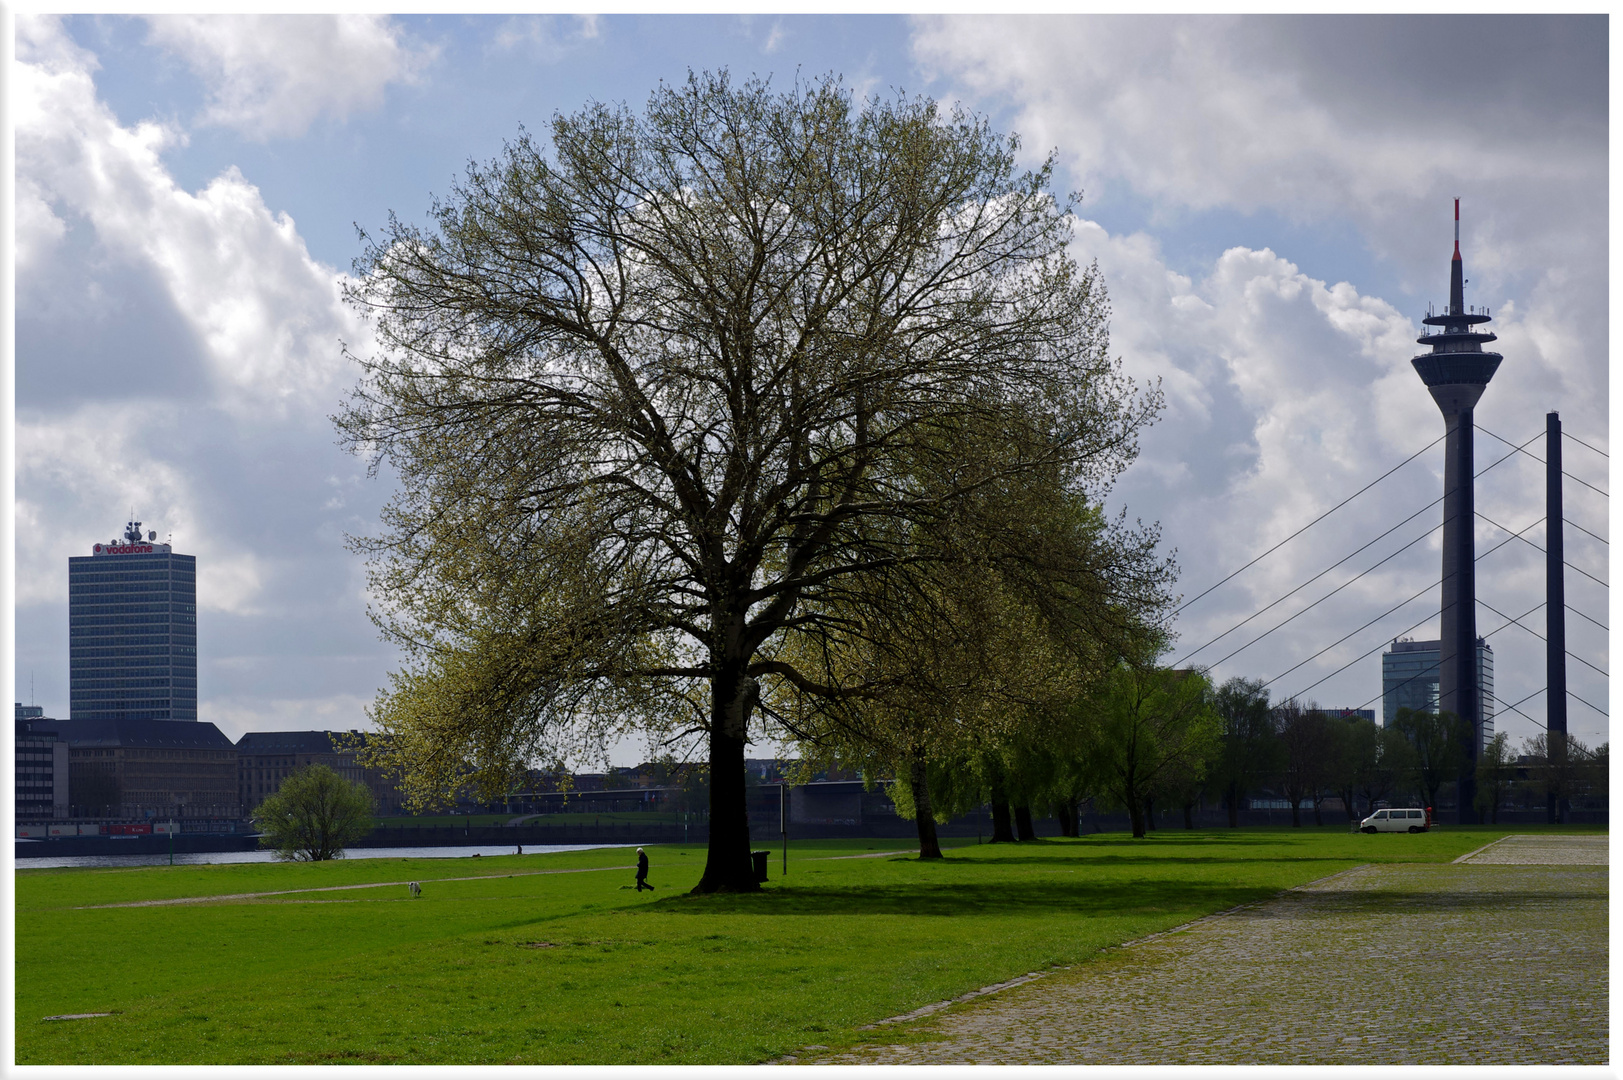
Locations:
1409 679
132 631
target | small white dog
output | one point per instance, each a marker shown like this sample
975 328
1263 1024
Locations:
416 889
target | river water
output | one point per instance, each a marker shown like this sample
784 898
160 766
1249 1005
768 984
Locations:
196 858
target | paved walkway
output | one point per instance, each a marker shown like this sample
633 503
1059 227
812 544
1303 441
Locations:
1498 959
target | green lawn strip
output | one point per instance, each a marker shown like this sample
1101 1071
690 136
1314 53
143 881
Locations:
74 887
623 977
78 887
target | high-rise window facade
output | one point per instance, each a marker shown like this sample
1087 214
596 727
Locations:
1410 674
132 632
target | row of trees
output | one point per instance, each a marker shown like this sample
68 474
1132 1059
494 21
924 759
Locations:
1309 756
1150 737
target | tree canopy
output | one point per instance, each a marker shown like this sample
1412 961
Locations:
662 398
1150 726
314 815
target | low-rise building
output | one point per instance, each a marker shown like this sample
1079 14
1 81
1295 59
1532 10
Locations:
146 769
266 758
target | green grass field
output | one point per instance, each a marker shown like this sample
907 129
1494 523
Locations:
553 959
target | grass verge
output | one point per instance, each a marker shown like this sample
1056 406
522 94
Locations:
552 959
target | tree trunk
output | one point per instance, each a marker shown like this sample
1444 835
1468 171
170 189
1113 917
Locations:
1318 818
1135 814
1188 815
1065 811
918 782
1022 823
1234 806
1002 829
1296 813
727 865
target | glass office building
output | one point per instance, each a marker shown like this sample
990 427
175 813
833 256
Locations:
1410 675
132 631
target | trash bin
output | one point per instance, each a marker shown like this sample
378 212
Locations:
759 858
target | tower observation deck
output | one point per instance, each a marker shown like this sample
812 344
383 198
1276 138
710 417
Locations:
1456 371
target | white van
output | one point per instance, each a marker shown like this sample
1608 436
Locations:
1407 820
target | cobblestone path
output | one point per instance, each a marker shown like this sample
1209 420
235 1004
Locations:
1541 851
1498 959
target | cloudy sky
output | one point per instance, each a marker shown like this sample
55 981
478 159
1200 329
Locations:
1269 200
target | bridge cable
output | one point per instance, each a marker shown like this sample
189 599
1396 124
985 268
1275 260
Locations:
1517 711
1580 442
1320 518
1411 678
1304 584
1315 603
1311 580
1541 461
1541 637
1586 532
1540 550
1581 615
1603 712
1381 616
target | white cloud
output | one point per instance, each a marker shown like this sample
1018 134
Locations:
75 474
272 76
548 37
1281 115
38 227
78 473
267 316
1183 111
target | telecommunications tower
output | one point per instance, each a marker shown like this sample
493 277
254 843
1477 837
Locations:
1456 371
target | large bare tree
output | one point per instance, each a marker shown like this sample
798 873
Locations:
654 395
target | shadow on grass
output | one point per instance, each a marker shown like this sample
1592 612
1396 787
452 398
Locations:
1037 898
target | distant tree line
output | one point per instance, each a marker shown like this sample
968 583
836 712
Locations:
1146 737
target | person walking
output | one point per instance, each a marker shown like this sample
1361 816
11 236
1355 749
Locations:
642 870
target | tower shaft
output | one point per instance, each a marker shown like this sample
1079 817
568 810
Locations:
1457 372
1457 683
1555 615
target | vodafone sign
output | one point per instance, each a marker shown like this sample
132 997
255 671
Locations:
124 549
